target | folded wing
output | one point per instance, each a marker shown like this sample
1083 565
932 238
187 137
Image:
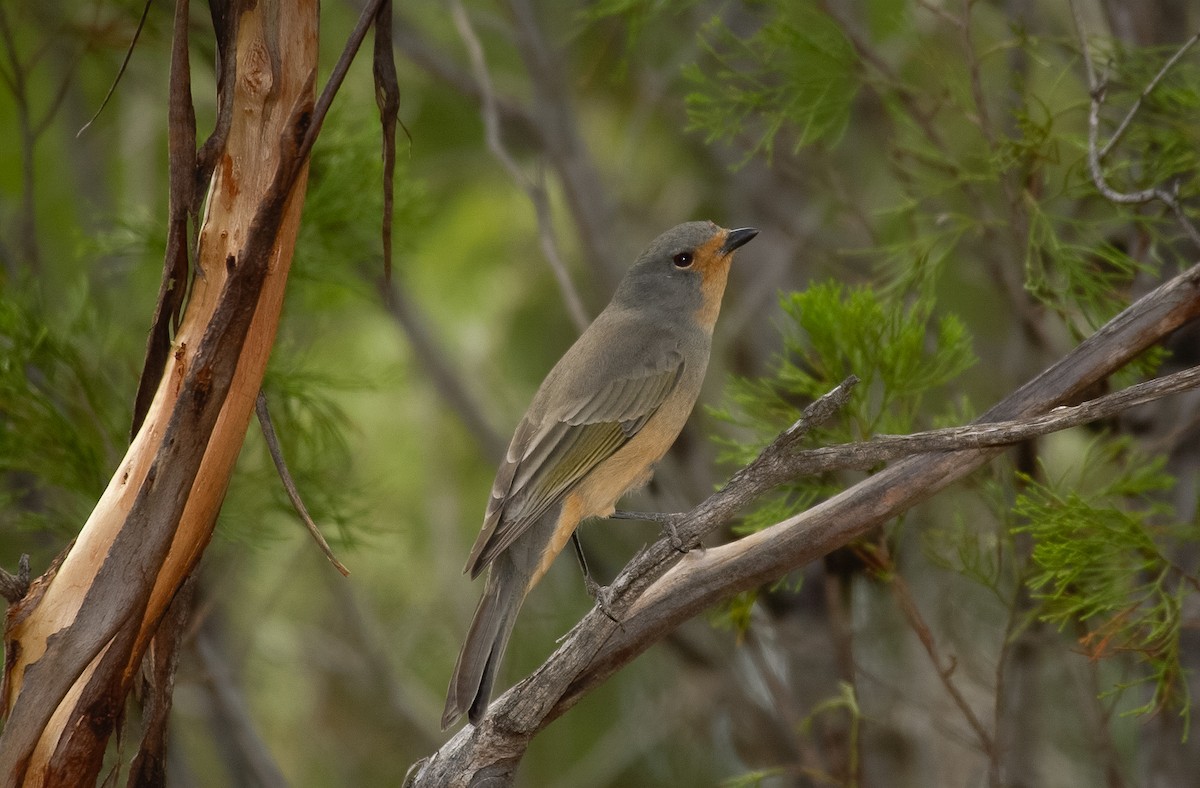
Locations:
546 460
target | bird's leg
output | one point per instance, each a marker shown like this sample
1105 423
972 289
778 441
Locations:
666 520
601 595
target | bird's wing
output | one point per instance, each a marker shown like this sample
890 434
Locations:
548 458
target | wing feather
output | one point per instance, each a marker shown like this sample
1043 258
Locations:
545 461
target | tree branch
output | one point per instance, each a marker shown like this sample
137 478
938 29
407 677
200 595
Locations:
289 484
1097 88
658 589
535 189
77 644
885 448
449 384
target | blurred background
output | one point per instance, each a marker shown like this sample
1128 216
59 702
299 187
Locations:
928 156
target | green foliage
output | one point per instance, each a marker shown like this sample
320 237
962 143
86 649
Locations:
795 74
635 16
1101 547
1162 146
57 432
899 351
935 153
343 205
736 613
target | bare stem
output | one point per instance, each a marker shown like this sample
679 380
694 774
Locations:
1097 89
535 189
289 484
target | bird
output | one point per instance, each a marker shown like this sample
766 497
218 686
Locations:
606 413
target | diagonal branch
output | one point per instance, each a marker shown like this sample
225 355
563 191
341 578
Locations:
1146 91
181 168
778 464
289 484
658 589
885 448
137 32
535 189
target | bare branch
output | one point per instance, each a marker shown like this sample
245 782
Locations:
418 49
536 190
945 672
885 448
289 484
778 464
658 590
1146 91
137 31
225 23
387 98
336 77
182 197
446 380
1097 88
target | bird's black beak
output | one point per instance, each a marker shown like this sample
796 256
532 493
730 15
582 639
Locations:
737 238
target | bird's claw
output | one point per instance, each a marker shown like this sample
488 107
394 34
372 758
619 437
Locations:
664 519
603 597
671 532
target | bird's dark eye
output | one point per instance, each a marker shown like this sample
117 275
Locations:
683 260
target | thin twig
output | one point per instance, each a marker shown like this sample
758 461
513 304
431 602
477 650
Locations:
1097 89
182 194
945 672
534 189
289 484
336 77
884 448
387 98
1146 91
778 463
416 46
120 71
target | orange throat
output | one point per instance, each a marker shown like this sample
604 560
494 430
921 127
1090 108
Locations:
714 273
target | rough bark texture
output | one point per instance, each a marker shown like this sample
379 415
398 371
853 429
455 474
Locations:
76 641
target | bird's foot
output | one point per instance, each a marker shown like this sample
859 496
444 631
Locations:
603 597
666 520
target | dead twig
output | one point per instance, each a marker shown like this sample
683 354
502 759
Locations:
535 189
289 484
944 668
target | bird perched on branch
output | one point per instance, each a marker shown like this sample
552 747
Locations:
604 416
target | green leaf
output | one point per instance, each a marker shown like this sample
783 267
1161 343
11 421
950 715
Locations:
1101 556
795 74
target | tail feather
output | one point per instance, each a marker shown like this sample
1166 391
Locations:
475 672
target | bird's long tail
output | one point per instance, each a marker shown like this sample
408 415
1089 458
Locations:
475 671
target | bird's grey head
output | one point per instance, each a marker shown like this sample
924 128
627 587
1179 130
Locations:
670 275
